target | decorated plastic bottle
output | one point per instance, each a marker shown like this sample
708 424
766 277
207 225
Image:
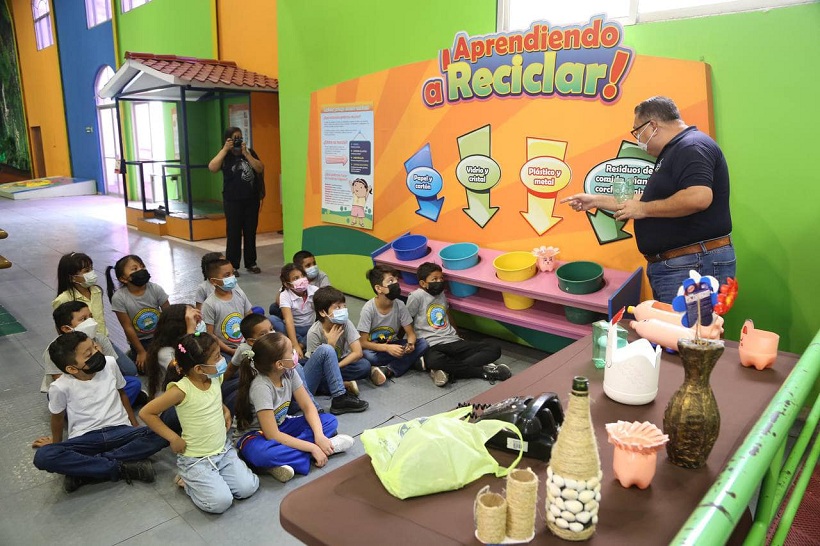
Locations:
574 472
652 309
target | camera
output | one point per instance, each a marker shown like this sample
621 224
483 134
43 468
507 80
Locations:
237 143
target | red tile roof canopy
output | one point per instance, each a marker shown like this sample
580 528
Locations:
193 70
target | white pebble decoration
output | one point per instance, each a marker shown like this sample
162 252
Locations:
583 517
550 517
597 496
561 523
554 490
549 472
591 507
559 502
594 520
576 527
555 510
558 480
569 494
586 496
570 483
568 516
592 483
574 506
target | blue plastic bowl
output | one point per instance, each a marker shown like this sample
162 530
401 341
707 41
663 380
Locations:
459 256
409 278
461 290
410 247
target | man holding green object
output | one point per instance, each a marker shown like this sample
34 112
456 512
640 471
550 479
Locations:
682 220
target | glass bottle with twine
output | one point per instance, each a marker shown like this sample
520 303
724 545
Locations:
574 472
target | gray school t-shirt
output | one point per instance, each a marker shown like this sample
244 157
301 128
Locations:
430 318
316 336
321 280
264 395
203 290
225 316
144 310
383 328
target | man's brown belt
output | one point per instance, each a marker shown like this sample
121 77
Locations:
711 244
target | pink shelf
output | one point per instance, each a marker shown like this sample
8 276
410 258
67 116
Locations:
543 316
543 286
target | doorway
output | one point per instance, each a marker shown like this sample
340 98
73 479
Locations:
107 129
149 143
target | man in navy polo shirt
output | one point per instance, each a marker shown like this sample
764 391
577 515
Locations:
682 220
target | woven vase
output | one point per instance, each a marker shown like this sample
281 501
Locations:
692 419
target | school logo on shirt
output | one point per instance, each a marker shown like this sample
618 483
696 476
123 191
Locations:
145 321
230 327
382 334
437 316
281 412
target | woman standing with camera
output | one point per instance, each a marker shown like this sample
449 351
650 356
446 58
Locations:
243 188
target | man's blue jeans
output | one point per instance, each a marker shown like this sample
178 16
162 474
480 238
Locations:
97 454
398 365
667 276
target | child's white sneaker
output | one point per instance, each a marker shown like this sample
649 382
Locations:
440 377
341 442
281 473
377 376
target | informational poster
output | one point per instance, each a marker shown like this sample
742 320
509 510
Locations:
239 115
347 165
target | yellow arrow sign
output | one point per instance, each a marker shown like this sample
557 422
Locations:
541 201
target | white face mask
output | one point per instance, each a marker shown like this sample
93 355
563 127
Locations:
89 279
88 327
644 145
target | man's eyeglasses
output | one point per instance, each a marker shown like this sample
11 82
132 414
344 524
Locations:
636 131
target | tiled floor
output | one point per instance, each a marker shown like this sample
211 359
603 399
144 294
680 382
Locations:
35 510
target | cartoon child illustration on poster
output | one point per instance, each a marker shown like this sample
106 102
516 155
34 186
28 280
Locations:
361 189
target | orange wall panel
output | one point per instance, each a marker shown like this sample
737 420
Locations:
42 90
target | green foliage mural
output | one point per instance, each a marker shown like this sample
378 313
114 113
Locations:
13 141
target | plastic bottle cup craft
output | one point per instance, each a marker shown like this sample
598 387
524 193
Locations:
632 372
758 348
636 451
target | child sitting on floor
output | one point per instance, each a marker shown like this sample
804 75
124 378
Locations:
268 438
77 280
224 309
104 439
175 321
380 322
74 316
333 327
138 303
449 357
296 303
317 277
212 473
205 288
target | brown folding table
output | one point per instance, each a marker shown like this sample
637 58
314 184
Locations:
350 506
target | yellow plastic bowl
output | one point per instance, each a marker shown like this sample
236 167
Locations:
515 267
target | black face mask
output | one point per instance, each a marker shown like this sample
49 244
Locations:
140 277
394 291
95 363
435 288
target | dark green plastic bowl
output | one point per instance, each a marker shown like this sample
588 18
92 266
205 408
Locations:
580 277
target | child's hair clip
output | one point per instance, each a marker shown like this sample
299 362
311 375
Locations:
196 334
181 349
249 354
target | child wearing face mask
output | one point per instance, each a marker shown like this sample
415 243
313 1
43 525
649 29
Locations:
381 321
317 277
334 328
105 441
269 439
449 357
208 465
205 288
175 321
75 316
223 310
138 304
77 281
296 303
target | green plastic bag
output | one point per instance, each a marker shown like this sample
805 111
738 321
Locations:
433 454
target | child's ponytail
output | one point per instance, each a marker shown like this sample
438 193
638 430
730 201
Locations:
192 350
109 282
267 350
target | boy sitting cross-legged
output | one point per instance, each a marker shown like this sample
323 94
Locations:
449 357
381 321
104 441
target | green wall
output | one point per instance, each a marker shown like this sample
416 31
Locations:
765 76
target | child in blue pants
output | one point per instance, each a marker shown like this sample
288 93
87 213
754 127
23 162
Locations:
268 438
